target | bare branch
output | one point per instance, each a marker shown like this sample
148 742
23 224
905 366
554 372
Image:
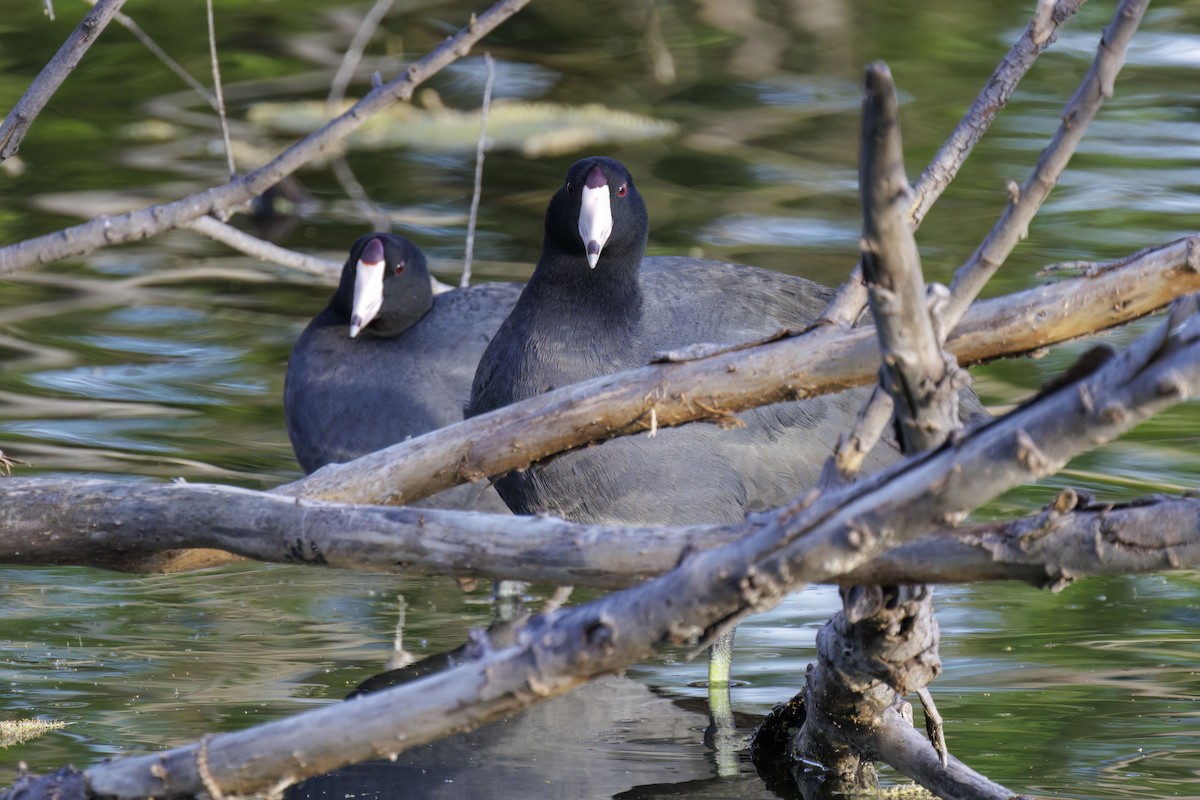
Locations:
1052 548
181 527
17 123
82 239
913 370
869 425
354 53
883 644
899 744
1013 225
1039 35
345 177
337 90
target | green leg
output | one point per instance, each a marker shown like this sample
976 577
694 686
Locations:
722 734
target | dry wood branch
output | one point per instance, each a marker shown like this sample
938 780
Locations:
1053 548
869 425
480 147
337 90
514 437
16 124
354 53
913 371
1013 225
137 527
883 644
839 530
1041 32
82 239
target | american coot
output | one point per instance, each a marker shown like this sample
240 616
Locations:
594 306
387 360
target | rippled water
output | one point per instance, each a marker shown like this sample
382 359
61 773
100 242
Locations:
165 359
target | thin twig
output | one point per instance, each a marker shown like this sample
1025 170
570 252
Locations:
970 278
1013 225
216 73
399 657
480 146
380 221
869 425
79 240
130 25
17 123
264 251
354 53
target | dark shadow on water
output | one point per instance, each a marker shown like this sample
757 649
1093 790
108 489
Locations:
611 737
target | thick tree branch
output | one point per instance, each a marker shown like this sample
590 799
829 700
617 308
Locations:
16 124
103 231
883 644
620 404
140 527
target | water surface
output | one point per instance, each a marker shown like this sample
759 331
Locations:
165 359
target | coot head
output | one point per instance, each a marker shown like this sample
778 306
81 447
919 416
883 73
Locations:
384 287
597 215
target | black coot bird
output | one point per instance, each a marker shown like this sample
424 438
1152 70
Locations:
387 360
594 306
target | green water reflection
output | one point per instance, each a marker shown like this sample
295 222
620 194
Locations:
165 359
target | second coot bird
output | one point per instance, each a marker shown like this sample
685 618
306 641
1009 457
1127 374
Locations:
593 307
386 360
596 306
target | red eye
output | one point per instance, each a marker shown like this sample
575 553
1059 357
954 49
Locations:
623 190
399 267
